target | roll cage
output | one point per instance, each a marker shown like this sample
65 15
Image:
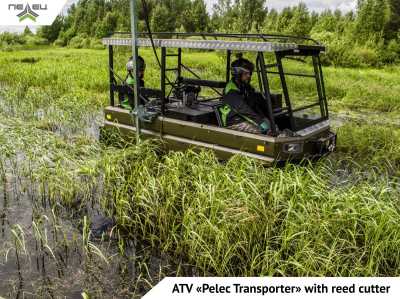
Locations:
280 46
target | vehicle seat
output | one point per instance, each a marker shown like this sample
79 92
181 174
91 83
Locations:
218 114
239 124
276 100
218 109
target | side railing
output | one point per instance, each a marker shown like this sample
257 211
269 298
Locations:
261 37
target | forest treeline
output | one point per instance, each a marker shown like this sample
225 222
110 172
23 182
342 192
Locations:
369 36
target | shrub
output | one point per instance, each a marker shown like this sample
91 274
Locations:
342 50
60 42
34 40
96 44
363 56
390 54
6 47
77 42
12 38
66 36
85 42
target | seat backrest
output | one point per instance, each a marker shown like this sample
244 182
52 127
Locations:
221 112
218 114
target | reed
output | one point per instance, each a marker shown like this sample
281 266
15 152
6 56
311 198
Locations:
336 217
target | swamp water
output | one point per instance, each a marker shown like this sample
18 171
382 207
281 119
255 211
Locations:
50 249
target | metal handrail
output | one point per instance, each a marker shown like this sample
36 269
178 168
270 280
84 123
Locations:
204 35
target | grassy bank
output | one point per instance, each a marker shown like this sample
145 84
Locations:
339 216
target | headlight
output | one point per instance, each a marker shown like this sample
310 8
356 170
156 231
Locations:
293 148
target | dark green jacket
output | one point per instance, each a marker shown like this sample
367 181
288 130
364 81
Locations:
126 102
236 99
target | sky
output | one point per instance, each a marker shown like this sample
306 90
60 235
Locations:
317 5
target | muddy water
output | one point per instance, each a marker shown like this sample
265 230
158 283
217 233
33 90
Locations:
47 250
43 253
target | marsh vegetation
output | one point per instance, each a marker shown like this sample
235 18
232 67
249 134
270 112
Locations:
183 213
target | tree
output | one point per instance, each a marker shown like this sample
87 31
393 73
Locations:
373 16
300 23
162 20
27 31
393 25
195 17
250 12
52 32
284 20
225 15
326 22
270 21
107 26
314 19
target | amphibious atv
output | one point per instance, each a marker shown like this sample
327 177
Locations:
185 111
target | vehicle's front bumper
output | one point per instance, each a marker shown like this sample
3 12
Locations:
326 144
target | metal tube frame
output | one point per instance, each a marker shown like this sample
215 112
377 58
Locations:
322 101
111 73
292 74
285 89
261 71
204 35
135 67
198 77
163 78
228 65
321 75
266 89
179 62
319 87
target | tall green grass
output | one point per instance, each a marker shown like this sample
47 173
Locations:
239 218
339 216
79 78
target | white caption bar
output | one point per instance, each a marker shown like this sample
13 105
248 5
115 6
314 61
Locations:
219 287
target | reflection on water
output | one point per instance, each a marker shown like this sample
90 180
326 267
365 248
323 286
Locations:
47 249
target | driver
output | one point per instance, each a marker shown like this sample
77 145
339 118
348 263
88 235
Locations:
241 100
141 64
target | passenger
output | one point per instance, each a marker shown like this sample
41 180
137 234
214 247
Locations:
241 99
141 64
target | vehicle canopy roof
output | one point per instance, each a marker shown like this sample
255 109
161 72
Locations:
253 42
